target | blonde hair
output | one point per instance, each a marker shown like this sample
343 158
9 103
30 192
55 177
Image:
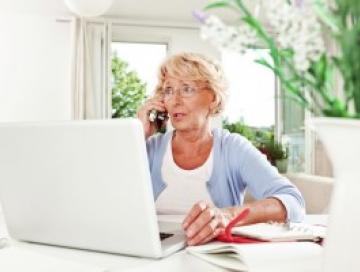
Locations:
195 67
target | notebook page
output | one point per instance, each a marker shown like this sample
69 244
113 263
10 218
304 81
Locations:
225 260
221 254
281 232
260 257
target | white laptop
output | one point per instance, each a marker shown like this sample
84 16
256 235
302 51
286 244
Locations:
82 184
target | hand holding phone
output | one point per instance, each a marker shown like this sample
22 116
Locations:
153 116
158 117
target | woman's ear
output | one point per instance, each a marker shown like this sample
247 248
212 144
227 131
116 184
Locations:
214 104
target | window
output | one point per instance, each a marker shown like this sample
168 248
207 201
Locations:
252 92
293 132
134 74
144 58
251 88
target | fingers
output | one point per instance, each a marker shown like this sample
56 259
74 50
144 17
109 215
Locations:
207 233
158 105
144 111
203 223
203 220
195 211
211 236
149 106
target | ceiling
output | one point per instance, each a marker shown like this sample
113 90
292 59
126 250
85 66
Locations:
159 10
168 10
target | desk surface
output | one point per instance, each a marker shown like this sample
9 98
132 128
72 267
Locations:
111 262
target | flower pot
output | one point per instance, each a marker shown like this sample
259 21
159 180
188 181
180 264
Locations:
341 138
281 165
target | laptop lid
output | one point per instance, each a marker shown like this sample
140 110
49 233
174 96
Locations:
82 184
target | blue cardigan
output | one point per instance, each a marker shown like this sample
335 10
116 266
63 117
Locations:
237 165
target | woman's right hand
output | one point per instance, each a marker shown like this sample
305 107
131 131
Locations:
154 103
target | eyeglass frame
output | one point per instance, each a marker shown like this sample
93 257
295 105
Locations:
180 91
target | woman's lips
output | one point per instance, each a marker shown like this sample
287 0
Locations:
178 115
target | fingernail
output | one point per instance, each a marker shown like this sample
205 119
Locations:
189 233
202 206
185 225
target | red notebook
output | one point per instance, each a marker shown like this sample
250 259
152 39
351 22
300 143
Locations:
227 235
270 232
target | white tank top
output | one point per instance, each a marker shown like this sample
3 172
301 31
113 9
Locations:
184 187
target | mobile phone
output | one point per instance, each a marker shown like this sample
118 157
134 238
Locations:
158 117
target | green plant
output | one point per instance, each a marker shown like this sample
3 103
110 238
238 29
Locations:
305 68
256 136
274 150
261 138
128 91
240 128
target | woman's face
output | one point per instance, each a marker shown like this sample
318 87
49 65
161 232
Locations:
188 103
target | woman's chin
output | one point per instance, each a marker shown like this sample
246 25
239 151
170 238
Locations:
180 126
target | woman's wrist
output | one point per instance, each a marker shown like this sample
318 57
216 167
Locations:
231 213
270 209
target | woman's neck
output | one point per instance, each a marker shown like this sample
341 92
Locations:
192 140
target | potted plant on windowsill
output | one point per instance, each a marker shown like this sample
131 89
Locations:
264 140
310 73
276 153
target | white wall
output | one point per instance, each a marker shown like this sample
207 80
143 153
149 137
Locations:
35 61
34 67
178 38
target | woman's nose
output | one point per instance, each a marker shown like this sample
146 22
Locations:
176 96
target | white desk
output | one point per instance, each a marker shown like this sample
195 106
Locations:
180 261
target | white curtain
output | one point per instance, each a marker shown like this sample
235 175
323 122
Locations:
91 70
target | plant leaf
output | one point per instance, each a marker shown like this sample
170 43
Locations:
326 16
217 4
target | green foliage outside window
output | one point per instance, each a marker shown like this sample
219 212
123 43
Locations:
128 90
262 138
256 136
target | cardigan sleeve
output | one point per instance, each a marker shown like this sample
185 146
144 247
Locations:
262 179
150 148
155 146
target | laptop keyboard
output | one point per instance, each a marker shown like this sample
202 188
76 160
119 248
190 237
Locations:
164 235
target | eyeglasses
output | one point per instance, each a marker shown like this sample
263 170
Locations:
184 91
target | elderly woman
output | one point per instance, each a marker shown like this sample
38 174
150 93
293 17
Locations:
202 171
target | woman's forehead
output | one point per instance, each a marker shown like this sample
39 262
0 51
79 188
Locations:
177 81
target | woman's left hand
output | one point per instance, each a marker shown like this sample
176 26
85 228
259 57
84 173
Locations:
203 223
